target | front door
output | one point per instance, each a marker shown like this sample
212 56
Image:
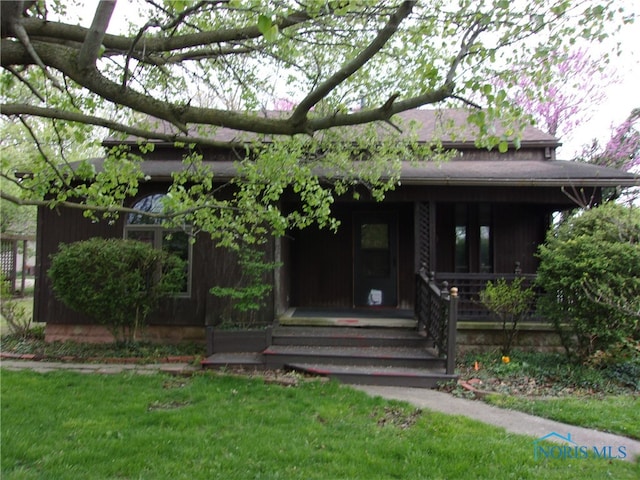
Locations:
375 273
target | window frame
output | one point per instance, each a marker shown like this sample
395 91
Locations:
159 231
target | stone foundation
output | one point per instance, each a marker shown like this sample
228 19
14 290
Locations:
486 337
170 335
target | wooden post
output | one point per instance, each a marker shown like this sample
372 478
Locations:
452 331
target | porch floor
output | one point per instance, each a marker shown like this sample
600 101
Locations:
345 317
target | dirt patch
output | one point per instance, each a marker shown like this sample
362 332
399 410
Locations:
396 417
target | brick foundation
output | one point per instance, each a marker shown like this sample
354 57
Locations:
98 334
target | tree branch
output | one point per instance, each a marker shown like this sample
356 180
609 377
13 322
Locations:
300 113
24 109
29 86
151 44
93 41
109 208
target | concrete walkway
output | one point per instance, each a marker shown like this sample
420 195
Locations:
103 368
512 421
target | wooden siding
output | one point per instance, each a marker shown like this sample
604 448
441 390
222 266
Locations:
518 230
210 266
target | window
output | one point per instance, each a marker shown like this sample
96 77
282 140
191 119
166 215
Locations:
473 238
150 230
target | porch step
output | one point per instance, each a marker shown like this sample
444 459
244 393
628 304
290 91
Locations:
392 377
234 360
349 337
279 356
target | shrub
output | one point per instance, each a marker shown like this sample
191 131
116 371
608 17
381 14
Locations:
16 315
511 303
589 271
115 282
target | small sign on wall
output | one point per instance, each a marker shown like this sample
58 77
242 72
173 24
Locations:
375 297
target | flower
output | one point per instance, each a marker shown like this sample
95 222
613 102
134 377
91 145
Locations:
505 359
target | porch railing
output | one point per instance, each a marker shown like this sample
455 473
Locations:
471 284
436 309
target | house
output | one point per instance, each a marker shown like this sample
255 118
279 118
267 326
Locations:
479 216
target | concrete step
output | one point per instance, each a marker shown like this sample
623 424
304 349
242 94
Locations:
363 375
349 337
277 356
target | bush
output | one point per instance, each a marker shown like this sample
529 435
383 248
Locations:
589 271
15 314
511 303
115 282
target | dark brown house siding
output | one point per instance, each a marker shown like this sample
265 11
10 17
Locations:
210 266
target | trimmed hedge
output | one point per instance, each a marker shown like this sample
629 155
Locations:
116 282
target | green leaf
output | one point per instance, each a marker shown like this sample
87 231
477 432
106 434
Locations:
264 24
503 147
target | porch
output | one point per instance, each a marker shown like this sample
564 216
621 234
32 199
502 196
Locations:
373 346
386 346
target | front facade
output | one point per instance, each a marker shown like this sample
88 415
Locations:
479 215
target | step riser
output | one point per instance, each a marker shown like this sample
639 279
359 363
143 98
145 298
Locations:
390 381
305 341
280 360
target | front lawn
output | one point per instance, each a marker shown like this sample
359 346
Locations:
617 414
65 425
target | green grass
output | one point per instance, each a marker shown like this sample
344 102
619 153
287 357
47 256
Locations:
64 425
617 414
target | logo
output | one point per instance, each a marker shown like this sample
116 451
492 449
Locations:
564 448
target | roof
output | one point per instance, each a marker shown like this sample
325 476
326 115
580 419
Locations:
429 124
540 173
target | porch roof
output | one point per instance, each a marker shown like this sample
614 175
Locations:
542 173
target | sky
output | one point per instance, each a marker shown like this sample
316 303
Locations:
621 97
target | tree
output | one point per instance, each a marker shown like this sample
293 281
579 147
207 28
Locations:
386 57
573 86
622 150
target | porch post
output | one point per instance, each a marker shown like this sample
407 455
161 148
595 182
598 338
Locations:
452 331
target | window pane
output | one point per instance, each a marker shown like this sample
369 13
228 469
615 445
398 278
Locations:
177 243
486 263
462 263
146 236
374 236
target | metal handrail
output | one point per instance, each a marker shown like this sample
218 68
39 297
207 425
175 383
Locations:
436 310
